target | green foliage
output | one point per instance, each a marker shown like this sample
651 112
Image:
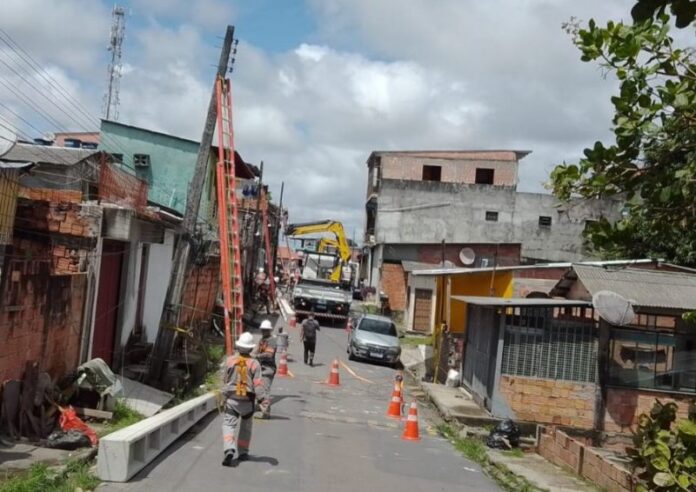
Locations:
683 10
123 417
41 477
664 452
215 354
417 340
651 166
470 447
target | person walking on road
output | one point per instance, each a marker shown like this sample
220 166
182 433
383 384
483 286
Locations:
241 385
266 355
309 338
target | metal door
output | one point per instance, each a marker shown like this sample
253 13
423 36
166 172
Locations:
106 315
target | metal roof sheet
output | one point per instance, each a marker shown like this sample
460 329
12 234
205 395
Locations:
65 156
645 288
15 165
519 301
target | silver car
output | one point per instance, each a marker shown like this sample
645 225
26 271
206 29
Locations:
375 338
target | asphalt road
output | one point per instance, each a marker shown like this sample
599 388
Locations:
319 439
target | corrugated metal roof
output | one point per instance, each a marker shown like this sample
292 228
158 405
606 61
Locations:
519 301
65 156
645 288
14 165
541 266
413 266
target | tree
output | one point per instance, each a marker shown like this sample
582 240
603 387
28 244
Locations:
683 10
652 163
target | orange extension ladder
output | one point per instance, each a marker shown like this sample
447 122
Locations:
230 263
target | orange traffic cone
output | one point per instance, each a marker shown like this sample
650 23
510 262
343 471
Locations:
394 410
333 375
283 366
411 429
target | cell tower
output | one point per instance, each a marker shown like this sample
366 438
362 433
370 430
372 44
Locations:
118 29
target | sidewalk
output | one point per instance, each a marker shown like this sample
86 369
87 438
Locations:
20 456
455 404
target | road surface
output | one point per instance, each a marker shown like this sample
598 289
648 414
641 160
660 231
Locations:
319 439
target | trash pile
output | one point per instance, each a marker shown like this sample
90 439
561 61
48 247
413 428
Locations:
49 412
505 435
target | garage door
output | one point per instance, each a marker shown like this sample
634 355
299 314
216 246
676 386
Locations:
422 310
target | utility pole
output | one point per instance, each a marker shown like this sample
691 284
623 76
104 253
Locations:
172 304
118 28
255 246
276 235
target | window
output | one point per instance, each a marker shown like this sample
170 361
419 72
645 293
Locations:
544 221
652 359
491 216
141 160
432 173
484 176
544 343
117 157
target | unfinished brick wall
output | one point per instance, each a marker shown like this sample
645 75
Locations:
200 291
59 215
40 314
550 401
580 458
394 285
624 406
455 169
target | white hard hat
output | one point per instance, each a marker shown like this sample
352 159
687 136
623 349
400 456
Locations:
266 325
246 341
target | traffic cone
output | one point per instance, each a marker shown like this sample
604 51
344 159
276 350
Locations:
333 375
283 366
394 410
411 428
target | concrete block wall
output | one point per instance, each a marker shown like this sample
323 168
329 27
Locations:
624 406
580 458
549 401
41 313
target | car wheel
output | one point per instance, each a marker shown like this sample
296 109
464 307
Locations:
351 355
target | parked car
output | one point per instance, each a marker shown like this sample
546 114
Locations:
375 338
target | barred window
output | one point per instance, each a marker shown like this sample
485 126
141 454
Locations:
550 343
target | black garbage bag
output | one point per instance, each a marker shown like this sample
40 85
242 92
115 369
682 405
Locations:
67 440
505 435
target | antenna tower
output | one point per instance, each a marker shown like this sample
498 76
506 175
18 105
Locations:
118 28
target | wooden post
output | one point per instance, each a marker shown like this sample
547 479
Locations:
172 304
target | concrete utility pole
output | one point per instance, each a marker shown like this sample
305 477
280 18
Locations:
276 235
172 304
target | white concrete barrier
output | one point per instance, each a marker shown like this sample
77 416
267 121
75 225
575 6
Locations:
124 453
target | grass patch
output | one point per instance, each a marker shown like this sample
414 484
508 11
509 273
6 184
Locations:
40 477
417 340
215 353
123 417
515 452
470 447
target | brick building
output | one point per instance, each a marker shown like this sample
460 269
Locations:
462 209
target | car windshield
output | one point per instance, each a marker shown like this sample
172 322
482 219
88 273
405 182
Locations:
377 326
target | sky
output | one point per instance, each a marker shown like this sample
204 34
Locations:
319 84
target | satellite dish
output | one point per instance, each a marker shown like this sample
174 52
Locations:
7 140
613 308
467 256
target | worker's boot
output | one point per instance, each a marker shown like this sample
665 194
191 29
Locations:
311 361
229 458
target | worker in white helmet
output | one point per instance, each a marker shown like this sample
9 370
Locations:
265 353
241 386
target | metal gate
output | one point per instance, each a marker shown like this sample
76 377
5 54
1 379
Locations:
478 370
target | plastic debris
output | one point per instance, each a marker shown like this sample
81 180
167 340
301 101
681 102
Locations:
505 435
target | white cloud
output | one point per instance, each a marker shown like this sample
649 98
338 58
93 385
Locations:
450 74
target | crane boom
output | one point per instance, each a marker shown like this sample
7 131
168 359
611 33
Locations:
324 226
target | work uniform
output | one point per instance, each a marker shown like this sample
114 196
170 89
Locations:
242 384
266 355
309 338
